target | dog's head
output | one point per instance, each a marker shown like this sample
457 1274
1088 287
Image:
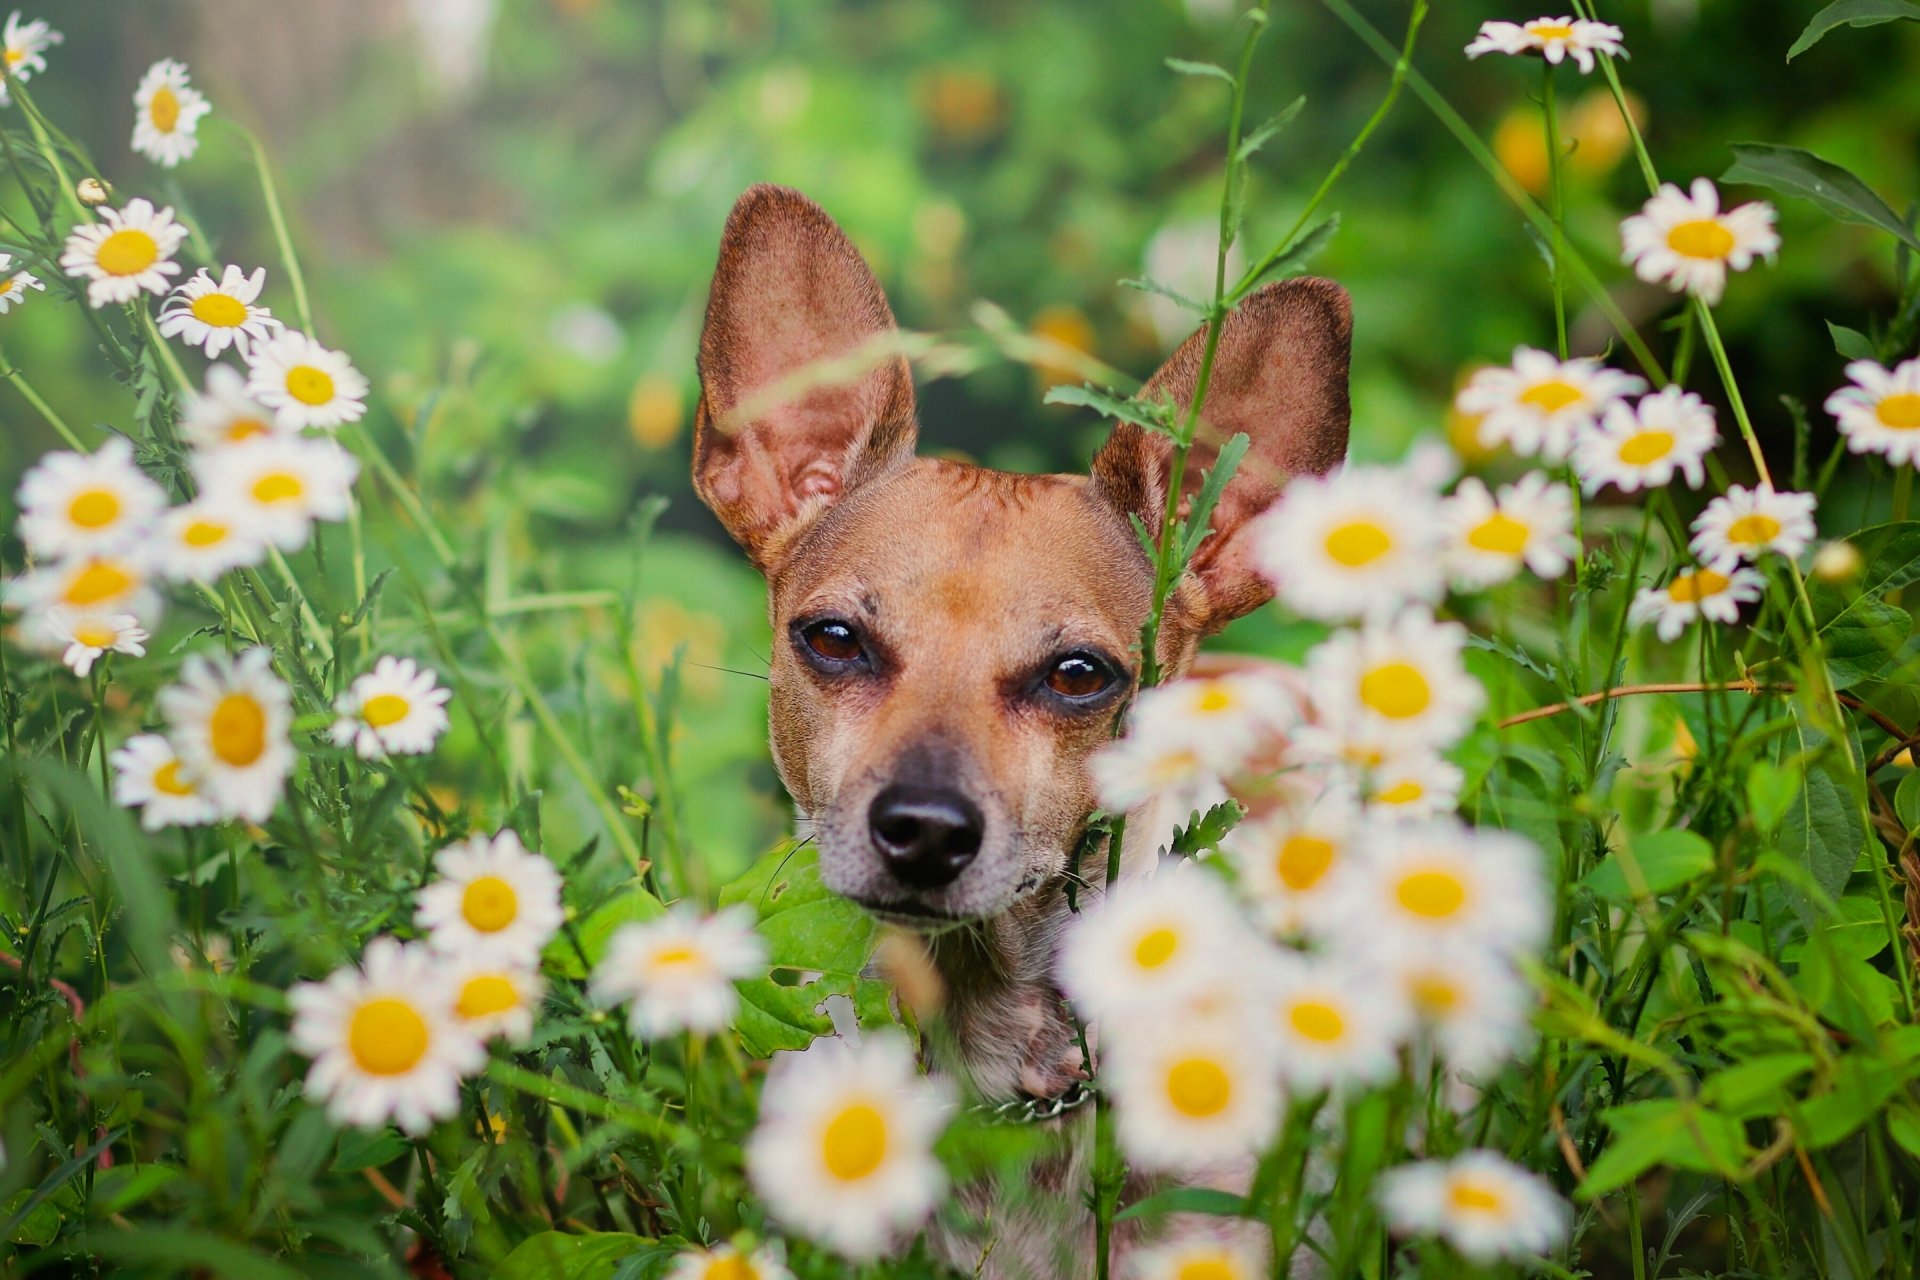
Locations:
951 643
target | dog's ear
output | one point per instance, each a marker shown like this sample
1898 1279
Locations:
800 402
1279 376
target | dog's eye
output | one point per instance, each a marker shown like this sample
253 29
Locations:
1079 676
833 640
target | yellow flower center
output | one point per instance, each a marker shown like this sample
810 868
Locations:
1469 1196
1207 1269
94 635
1644 448
94 509
1156 948
855 1142
486 994
168 781
165 109
1358 543
1406 791
308 385
489 904
15 56
1551 397
1302 861
1499 533
238 730
100 580
127 252
383 709
1214 701
1433 894
1433 995
1396 690
278 486
387 1037
220 311
1753 530
1318 1021
731 1267
204 533
1692 588
1901 412
1701 238
681 956
245 429
1199 1087
1550 30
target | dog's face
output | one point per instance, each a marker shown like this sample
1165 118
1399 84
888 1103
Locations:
951 644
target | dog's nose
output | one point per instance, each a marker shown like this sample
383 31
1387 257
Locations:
926 834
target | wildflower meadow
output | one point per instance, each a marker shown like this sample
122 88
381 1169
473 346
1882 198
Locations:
396 880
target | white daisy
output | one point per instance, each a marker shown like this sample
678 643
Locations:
23 45
1745 524
1688 244
131 249
1224 719
725 1262
1539 405
1406 786
1151 942
1437 883
1880 412
223 414
215 316
200 540
79 503
1360 541
1290 862
398 708
304 383
13 290
676 973
843 1151
1643 446
1470 1005
1132 771
1337 1025
385 1042
494 894
492 998
1479 1202
149 774
1399 683
109 582
1195 1092
229 717
82 638
167 113
282 483
1490 537
1555 39
1714 594
1197 1256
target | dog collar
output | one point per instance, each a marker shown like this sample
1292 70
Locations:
1034 1110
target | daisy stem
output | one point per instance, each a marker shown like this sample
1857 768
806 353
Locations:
46 410
276 215
52 153
1556 209
1902 493
161 350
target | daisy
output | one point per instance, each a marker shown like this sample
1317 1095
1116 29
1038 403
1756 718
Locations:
84 637
1198 1257
149 774
1687 243
1745 524
1358 542
1469 1005
229 717
223 414
1400 683
1406 786
492 893
1151 941
1539 405
1700 592
1290 862
22 45
1436 883
1555 39
214 316
1479 1202
105 582
167 113
843 1151
1880 413
13 291
398 708
1140 768
304 383
1490 538
726 1262
1224 719
1196 1092
1644 446
385 1042
199 541
491 998
75 504
1337 1026
676 973
281 483
131 250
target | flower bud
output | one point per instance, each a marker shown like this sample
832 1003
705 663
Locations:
92 192
1837 562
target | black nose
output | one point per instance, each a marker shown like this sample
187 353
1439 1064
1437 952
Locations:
926 834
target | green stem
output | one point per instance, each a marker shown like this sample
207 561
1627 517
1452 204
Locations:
270 194
45 410
1557 208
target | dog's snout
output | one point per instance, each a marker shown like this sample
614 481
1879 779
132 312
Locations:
926 835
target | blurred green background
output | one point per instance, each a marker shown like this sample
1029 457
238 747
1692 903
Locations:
508 213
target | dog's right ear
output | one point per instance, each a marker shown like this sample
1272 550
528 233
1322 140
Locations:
800 399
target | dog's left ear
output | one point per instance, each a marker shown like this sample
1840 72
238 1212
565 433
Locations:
1280 377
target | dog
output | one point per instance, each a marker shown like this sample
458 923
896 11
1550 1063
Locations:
951 644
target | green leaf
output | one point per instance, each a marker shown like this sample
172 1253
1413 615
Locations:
1154 415
120 1188
1685 1135
1146 285
630 904
1298 254
1207 1200
1188 68
1655 863
1903 1126
1852 343
1757 1087
806 925
368 1149
558 1255
1822 830
1852 13
773 1016
1793 172
1770 788
1208 829
1265 133
1861 1086
1862 636
1212 485
1906 800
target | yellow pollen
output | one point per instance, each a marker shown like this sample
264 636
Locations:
1550 30
245 429
308 385
238 730
1156 948
95 636
165 109
127 252
1692 588
731 1267
15 56
1199 1087
1405 791
1499 533
1303 861
1357 544
1433 894
204 533
1645 448
383 709
94 509
1396 690
1901 412
484 995
1207 1269
387 1037
1433 995
855 1142
278 486
1214 700
101 580
677 957
1474 1197
1701 238
1317 1020
1753 530
1553 396
167 780
490 904
219 310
